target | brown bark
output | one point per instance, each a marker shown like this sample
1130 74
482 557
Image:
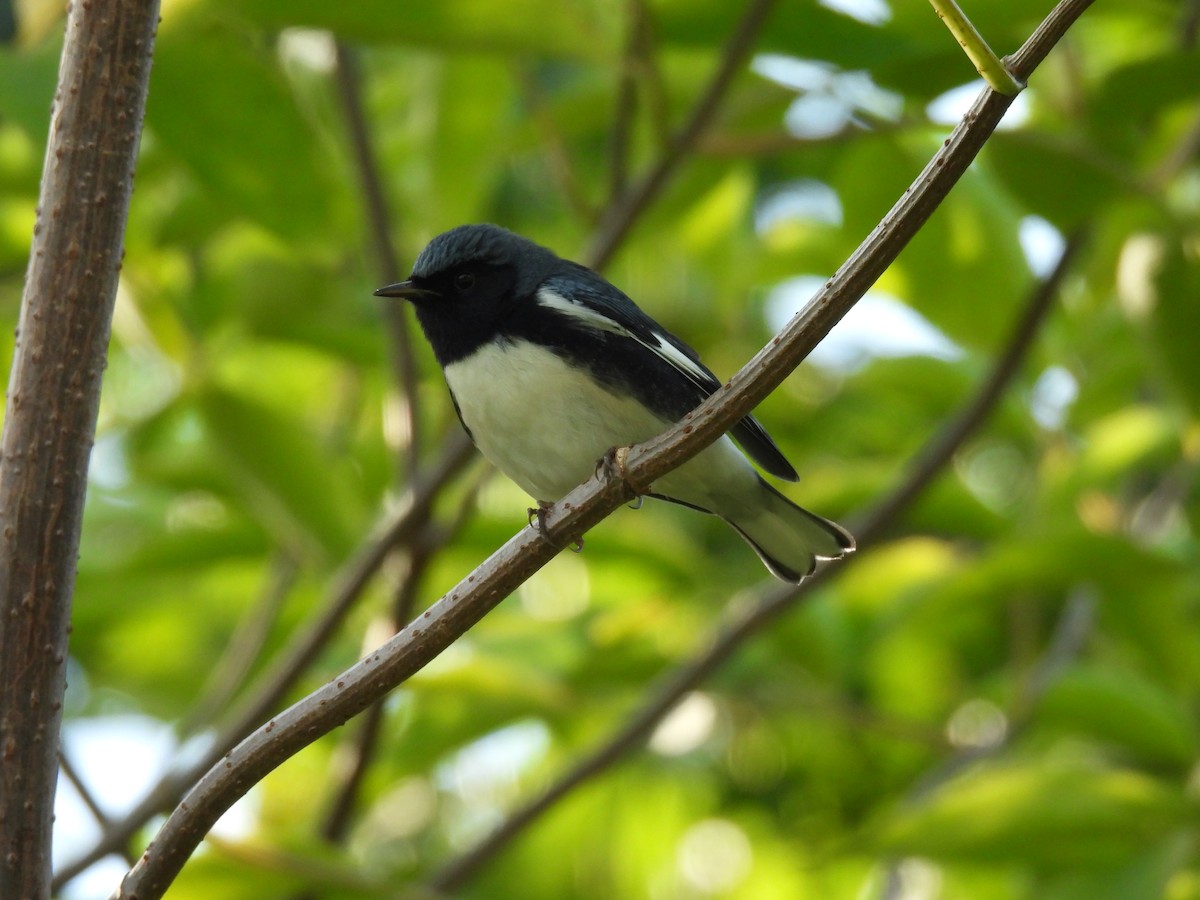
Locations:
53 399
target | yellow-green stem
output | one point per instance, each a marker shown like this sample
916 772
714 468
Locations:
988 64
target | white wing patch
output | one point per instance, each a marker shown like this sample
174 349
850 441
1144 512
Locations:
597 321
680 360
585 315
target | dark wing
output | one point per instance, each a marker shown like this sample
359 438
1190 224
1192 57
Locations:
582 296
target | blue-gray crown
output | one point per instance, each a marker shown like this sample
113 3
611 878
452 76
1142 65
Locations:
490 245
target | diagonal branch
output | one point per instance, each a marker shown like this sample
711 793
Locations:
379 222
347 587
250 635
626 99
620 216
926 465
423 551
440 625
85 794
1075 625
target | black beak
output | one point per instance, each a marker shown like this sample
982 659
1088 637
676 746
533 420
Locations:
404 290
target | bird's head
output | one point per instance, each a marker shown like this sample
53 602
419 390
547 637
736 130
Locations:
467 280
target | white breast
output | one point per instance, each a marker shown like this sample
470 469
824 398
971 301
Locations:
545 425
541 422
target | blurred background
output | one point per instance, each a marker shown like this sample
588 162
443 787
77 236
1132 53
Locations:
996 700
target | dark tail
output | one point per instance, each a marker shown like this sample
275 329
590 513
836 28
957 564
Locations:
788 538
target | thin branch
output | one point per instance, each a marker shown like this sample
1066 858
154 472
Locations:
1051 30
380 224
626 100
926 465
85 793
1070 633
773 143
422 551
347 587
938 452
345 793
53 401
555 147
653 81
1189 25
620 217
986 62
648 461
353 758
230 671
440 625
1181 156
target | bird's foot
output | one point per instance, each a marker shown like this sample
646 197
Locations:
537 521
538 514
613 465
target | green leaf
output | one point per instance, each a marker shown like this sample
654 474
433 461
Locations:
1173 291
221 105
1062 180
1124 708
293 486
1132 95
1059 814
457 25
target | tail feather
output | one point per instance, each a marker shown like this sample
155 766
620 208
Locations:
788 538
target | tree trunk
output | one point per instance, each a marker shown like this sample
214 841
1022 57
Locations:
53 398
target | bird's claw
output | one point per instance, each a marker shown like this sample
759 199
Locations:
613 465
537 521
538 513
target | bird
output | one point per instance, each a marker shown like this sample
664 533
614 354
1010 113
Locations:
550 367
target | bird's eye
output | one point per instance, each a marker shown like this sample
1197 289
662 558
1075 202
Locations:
464 281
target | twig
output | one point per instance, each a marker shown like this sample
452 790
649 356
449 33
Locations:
653 81
1189 25
347 586
626 101
986 62
1051 30
229 673
926 466
1180 157
345 793
937 453
440 625
648 461
619 218
423 550
380 224
1070 634
85 794
53 401
555 148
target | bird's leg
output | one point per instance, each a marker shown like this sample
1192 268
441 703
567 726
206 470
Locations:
612 465
539 513
537 520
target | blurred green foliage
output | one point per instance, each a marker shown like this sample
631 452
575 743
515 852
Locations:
999 701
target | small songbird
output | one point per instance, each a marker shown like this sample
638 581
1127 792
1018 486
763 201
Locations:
550 367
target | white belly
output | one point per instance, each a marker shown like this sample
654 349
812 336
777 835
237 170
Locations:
545 426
